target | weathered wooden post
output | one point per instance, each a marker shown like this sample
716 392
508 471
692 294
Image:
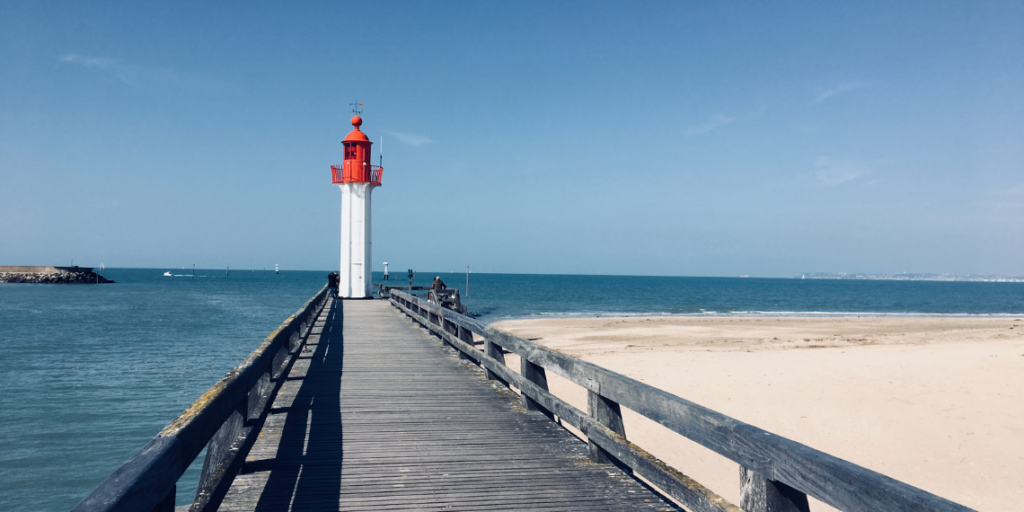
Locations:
280 358
218 449
257 396
760 494
453 329
494 352
607 413
168 504
535 374
463 335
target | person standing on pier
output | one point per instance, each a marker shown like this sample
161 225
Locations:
332 283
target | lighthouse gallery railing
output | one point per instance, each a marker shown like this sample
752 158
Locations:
776 474
225 420
338 173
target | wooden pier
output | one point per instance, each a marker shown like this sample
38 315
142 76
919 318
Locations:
376 415
405 405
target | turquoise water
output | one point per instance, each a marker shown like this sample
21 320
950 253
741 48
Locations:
91 373
495 296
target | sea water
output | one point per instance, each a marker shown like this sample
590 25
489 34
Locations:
90 373
494 296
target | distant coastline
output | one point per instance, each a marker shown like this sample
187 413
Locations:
904 276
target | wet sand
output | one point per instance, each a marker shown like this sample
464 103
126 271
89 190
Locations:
934 402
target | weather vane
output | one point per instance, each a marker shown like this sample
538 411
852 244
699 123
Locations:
355 108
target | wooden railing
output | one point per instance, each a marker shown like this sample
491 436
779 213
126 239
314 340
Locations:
225 420
776 474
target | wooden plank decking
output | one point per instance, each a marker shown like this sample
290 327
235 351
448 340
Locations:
376 415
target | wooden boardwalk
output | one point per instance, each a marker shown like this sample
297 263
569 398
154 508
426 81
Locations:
377 415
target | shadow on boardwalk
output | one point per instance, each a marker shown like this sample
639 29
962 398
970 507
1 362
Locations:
311 453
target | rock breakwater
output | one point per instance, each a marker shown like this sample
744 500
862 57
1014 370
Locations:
83 276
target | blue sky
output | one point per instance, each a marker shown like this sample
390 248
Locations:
675 138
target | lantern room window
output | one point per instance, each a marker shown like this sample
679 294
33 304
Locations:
350 151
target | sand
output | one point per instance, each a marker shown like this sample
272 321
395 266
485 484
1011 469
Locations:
933 402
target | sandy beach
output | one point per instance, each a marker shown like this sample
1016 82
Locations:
934 402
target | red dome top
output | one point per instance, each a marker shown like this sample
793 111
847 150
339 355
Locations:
356 135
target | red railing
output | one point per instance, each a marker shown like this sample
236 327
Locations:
338 175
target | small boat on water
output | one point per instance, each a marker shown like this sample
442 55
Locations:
168 274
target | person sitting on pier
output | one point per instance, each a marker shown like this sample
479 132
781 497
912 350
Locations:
332 283
438 284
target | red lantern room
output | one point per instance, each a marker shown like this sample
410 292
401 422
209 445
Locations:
357 167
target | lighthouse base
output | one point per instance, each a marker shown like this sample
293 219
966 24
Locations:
354 275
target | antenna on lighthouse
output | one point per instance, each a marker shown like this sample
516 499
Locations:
380 154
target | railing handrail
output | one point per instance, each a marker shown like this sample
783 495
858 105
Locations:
839 483
342 166
147 480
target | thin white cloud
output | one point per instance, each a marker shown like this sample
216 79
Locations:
1011 197
105 64
840 89
136 75
713 122
831 172
90 62
411 138
1004 204
1017 192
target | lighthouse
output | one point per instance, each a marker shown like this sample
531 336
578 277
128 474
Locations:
357 178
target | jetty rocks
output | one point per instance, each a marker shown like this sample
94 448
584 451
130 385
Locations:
50 275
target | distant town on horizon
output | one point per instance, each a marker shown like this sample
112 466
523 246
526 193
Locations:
905 276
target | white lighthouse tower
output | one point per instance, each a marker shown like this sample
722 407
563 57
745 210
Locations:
357 179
